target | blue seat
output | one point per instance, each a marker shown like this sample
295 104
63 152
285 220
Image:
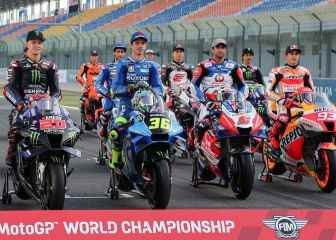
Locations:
277 5
115 14
175 12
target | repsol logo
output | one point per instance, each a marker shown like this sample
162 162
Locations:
291 137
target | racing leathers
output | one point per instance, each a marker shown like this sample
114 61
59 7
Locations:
285 81
177 78
90 72
129 73
252 75
208 75
103 84
26 78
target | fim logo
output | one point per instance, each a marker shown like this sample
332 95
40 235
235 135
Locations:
286 227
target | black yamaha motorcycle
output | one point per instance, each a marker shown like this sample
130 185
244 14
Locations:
47 137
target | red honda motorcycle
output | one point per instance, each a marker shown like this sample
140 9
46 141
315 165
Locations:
224 152
307 145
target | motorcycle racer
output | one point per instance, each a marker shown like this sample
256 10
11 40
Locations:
103 85
217 71
130 71
285 81
31 74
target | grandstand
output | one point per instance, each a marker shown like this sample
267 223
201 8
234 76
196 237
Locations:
150 12
267 25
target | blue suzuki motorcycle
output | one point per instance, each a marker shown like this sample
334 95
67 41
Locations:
145 159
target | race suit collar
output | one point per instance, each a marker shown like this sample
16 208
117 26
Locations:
248 66
31 61
214 60
295 66
134 60
178 63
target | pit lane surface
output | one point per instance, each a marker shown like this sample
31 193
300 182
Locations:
88 183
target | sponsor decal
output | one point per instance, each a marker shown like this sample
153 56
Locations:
219 78
286 227
36 76
291 136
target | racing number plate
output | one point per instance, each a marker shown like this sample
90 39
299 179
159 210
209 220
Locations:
159 122
52 124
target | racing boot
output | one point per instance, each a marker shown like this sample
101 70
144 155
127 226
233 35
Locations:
200 128
104 119
11 152
274 135
82 105
116 139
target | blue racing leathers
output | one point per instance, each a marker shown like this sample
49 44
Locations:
129 73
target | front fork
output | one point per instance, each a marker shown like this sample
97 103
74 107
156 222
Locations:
225 160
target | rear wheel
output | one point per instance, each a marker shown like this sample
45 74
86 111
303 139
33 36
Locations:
243 176
326 172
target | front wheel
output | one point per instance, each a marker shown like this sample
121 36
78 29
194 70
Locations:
326 172
161 185
243 176
54 187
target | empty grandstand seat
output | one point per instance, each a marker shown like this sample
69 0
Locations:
181 9
277 5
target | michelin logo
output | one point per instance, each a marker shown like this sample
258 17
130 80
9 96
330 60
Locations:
286 227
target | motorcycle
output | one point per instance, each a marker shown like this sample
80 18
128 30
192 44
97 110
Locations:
90 109
258 99
145 165
47 139
307 146
224 151
185 114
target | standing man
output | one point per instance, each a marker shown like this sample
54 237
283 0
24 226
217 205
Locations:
103 85
251 73
150 54
178 75
218 71
286 80
86 76
31 74
130 71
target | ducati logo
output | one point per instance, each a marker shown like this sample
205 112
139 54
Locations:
219 78
286 227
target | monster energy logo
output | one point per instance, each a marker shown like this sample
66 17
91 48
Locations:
72 137
34 137
248 75
36 76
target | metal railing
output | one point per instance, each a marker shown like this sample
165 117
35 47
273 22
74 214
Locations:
268 34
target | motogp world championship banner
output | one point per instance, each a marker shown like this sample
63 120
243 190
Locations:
169 224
